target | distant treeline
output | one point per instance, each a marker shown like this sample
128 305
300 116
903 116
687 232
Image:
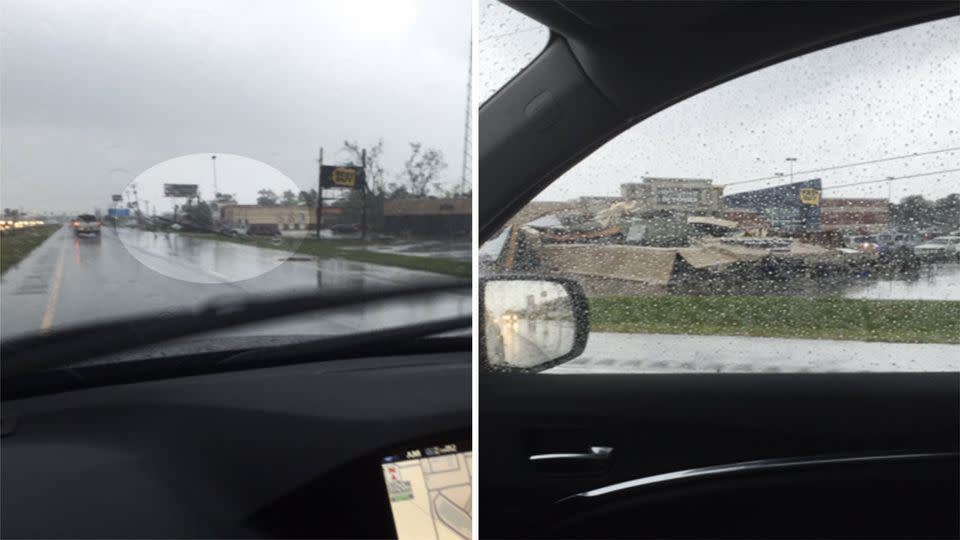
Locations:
916 212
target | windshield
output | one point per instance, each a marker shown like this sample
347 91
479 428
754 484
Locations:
160 155
772 223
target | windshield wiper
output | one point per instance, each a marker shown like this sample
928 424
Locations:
381 339
80 343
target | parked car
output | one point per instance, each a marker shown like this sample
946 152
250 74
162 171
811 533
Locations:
943 247
233 231
894 240
86 224
345 228
863 243
263 229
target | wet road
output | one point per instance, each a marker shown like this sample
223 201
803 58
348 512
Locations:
528 343
661 353
69 280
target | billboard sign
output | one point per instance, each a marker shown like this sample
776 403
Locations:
677 196
332 176
118 212
117 198
180 190
810 196
791 207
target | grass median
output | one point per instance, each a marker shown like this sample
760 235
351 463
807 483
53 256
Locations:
352 250
16 244
903 321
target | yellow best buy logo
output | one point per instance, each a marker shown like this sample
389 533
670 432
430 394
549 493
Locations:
810 196
344 177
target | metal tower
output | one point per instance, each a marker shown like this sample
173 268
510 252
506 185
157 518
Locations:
466 170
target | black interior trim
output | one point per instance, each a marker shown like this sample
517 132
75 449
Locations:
658 481
202 456
659 423
132 371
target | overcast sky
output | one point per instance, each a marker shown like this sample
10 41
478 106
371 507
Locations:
94 93
884 96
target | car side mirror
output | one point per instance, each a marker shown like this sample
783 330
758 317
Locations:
531 323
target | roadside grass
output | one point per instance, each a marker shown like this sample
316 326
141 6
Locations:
337 248
902 321
16 244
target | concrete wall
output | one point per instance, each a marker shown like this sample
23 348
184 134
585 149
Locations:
286 217
681 195
869 215
426 207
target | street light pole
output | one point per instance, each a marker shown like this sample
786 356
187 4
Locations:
791 160
319 191
216 191
363 195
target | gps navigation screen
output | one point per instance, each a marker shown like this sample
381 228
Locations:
429 491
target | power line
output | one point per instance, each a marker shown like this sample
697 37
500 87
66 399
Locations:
891 178
844 166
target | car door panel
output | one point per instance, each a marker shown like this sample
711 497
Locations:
666 423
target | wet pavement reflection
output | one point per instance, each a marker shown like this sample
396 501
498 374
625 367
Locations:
937 281
199 260
527 342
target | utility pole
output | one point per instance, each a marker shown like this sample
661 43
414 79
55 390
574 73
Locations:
319 191
216 190
792 160
466 165
363 196
136 203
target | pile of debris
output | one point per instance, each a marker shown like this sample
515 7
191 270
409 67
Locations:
621 250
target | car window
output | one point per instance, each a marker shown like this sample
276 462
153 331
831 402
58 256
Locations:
158 156
508 42
713 236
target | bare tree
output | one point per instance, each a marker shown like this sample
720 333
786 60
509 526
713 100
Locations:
422 169
226 198
289 198
309 198
266 197
374 168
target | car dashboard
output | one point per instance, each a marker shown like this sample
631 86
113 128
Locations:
327 449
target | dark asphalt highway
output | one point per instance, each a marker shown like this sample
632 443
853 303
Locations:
70 280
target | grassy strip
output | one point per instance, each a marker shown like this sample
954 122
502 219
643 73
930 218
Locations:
907 321
16 244
334 248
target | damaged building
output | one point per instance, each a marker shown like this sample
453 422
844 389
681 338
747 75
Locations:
668 232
